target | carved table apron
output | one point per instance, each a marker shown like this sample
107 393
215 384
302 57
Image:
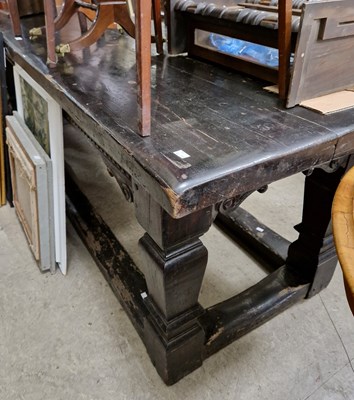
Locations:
216 137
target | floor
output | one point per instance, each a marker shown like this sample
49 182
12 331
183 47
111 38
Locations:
68 337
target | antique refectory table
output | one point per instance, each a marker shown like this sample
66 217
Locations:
216 137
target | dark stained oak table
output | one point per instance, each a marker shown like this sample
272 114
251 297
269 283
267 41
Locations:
216 137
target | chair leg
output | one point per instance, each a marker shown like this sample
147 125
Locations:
68 9
82 22
156 8
143 64
15 17
49 10
122 17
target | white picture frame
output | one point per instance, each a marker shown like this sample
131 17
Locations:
43 116
31 176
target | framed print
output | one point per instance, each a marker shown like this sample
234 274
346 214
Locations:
2 156
3 111
31 173
43 117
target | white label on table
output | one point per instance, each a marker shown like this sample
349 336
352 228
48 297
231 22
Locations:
181 154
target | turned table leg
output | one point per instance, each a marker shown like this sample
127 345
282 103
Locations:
175 264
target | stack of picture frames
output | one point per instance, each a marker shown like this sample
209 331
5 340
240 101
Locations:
35 141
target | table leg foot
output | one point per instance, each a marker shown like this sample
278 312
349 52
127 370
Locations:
176 357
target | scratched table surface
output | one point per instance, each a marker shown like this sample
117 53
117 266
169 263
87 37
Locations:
215 133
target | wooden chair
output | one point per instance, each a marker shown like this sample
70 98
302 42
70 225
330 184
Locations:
103 14
343 231
108 12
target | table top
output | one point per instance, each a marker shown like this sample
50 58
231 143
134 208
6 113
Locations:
237 136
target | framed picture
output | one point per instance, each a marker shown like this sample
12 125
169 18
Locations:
43 117
3 112
2 156
31 174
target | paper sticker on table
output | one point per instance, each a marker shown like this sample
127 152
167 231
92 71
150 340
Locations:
181 154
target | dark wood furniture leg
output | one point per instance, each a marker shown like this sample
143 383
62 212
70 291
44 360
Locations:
313 253
175 264
312 256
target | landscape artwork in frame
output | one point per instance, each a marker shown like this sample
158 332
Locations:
43 116
35 113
